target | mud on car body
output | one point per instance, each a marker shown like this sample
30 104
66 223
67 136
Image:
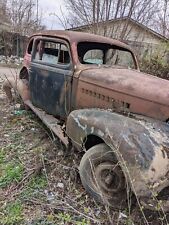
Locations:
111 111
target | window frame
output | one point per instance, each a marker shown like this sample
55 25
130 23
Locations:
31 42
54 40
135 62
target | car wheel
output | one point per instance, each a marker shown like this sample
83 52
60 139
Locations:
102 176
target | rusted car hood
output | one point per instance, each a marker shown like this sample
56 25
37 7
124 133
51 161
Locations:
130 82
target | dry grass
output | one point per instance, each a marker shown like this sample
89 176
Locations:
39 183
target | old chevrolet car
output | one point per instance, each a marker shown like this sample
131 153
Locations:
89 91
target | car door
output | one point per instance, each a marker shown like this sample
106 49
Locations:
51 75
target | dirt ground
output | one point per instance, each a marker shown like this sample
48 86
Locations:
5 71
39 181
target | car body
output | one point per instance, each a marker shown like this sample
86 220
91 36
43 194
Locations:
93 85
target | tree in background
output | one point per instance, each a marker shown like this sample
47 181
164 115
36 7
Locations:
3 14
89 12
86 12
23 19
162 21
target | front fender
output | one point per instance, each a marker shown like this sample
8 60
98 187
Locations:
141 147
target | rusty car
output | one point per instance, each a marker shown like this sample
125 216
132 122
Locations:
89 91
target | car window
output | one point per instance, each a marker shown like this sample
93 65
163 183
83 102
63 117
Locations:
106 54
120 58
93 56
51 53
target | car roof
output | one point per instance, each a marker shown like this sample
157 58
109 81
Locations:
74 36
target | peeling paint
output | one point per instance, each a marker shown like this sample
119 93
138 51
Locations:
92 130
100 133
80 125
140 146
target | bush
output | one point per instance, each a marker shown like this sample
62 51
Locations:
157 64
155 67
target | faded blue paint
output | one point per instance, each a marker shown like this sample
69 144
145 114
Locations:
50 88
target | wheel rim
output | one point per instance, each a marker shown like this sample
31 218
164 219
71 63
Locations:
109 178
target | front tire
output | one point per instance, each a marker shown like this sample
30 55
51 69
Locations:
102 176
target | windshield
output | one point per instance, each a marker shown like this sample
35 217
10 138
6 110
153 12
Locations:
104 54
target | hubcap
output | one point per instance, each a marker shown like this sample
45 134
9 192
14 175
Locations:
109 178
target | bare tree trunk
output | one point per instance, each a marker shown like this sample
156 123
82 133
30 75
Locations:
22 16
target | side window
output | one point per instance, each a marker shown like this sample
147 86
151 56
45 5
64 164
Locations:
30 46
51 53
120 58
93 56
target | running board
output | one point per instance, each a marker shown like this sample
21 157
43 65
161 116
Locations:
50 121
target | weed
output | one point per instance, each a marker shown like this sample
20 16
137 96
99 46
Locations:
65 218
15 146
42 222
38 182
2 155
34 187
12 214
11 172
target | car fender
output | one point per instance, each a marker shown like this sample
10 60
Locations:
18 85
141 147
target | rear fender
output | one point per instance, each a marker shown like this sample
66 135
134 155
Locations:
18 85
24 73
141 147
